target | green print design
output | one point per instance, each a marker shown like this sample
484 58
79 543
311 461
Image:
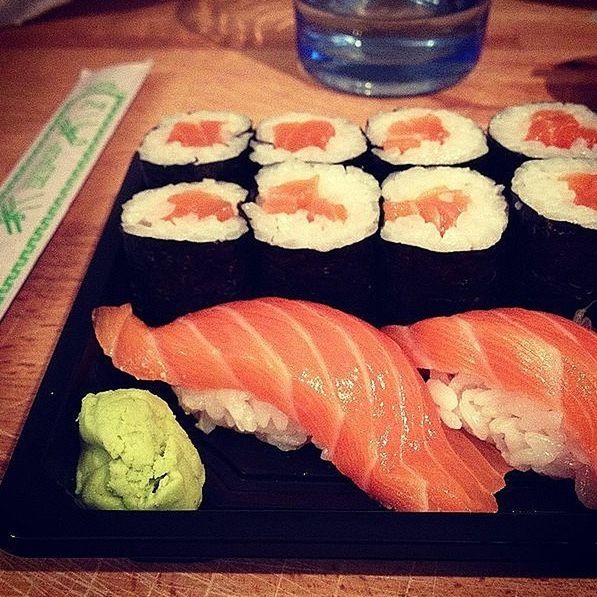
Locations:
38 167
11 216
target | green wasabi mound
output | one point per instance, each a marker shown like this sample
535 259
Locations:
135 455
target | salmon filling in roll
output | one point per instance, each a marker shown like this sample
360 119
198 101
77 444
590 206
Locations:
546 129
204 133
440 206
296 195
196 138
556 128
294 136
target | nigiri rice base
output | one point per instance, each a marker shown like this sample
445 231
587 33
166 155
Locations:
244 413
528 437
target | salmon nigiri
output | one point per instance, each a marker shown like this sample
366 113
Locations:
337 380
523 380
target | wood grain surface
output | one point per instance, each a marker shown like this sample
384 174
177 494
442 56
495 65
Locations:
235 55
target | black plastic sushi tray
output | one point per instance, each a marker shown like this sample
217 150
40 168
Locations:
258 501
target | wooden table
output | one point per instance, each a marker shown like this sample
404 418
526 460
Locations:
238 55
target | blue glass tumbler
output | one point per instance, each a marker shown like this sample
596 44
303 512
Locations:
390 47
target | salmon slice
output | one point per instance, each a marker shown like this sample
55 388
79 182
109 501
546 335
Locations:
440 206
542 357
197 134
200 204
296 195
294 136
345 383
409 134
584 185
556 128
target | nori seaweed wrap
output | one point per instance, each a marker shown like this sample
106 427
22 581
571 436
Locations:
342 278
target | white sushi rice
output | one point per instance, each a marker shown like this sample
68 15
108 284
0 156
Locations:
236 132
143 214
243 412
465 141
528 436
479 227
347 142
356 190
537 183
510 127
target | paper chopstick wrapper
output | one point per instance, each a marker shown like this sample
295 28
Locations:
41 187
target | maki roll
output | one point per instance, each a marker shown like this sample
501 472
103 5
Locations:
187 248
409 137
555 209
443 243
308 138
315 226
196 145
541 130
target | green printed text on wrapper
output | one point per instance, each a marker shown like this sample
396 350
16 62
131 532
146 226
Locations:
41 187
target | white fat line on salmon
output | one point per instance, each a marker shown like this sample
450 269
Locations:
367 383
286 381
314 351
159 357
427 444
565 332
392 370
150 342
369 386
424 420
109 350
333 387
537 346
468 333
214 351
414 347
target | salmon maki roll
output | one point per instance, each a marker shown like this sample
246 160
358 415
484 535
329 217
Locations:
315 227
187 247
309 138
267 365
555 217
192 146
538 131
444 243
409 137
523 380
